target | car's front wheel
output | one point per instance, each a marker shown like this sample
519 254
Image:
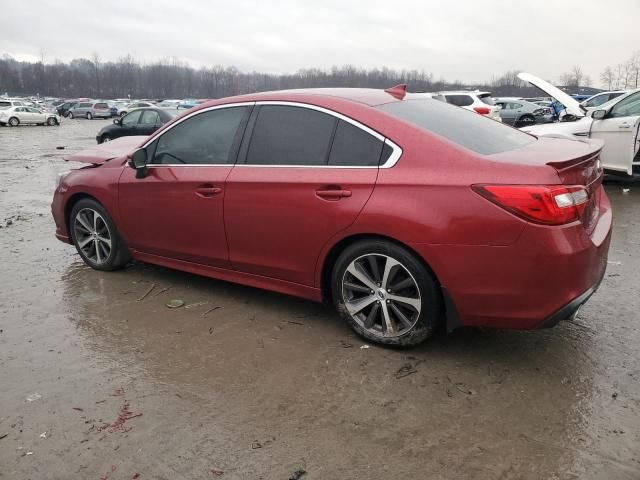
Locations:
526 121
89 116
70 115
386 294
51 121
95 236
105 138
14 122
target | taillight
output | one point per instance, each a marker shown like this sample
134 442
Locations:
538 111
545 204
482 110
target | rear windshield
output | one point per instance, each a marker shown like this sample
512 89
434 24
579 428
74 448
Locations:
467 129
486 98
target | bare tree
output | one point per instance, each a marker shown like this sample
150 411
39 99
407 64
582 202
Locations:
608 78
95 58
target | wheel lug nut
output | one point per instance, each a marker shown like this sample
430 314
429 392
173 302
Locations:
372 291
389 290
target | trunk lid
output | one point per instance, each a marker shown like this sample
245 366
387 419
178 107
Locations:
107 151
576 163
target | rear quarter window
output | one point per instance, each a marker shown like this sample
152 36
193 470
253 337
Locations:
353 147
462 127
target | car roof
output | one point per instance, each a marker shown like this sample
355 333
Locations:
366 96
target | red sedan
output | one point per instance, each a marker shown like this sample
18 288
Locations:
403 212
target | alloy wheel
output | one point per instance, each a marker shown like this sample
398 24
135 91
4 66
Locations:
92 235
381 295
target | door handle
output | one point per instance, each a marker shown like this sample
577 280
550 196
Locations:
624 126
333 194
208 191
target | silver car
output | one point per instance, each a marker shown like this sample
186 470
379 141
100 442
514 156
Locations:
90 110
521 113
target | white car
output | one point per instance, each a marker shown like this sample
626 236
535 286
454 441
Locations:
476 101
14 116
598 99
617 122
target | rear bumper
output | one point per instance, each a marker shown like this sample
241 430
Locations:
539 280
571 308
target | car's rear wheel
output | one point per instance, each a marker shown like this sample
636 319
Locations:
89 116
122 114
95 236
385 293
105 138
14 122
51 121
526 121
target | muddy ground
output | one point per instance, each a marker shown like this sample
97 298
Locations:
99 381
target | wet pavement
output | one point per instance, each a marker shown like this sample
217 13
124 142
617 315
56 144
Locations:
100 380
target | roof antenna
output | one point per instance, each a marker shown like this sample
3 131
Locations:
399 91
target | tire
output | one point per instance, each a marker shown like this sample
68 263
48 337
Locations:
70 115
525 121
13 122
122 114
105 250
89 116
413 310
105 138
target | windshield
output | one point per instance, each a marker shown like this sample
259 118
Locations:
465 128
172 112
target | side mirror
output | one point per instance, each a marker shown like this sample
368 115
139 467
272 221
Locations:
139 162
599 114
117 121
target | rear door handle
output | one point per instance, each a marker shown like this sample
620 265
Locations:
333 194
624 125
208 191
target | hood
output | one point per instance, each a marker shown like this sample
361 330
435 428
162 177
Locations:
571 104
106 151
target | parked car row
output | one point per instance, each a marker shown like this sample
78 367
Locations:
90 109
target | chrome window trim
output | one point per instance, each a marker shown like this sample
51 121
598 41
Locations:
396 152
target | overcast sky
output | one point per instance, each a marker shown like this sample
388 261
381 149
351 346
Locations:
455 39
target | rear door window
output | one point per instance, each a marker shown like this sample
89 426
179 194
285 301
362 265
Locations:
206 138
353 147
288 135
149 117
